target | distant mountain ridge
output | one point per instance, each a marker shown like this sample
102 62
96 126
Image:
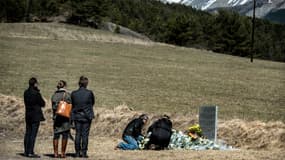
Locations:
268 9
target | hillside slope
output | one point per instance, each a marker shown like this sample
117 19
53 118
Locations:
131 78
153 78
226 32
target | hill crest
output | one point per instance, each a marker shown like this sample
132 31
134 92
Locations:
59 31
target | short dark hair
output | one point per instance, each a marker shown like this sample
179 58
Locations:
165 116
61 84
33 81
83 81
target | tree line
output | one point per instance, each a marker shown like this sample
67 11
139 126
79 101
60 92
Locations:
224 32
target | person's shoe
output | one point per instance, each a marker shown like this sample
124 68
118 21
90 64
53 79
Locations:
77 154
85 155
33 156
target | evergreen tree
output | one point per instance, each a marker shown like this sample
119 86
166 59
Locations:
12 10
224 32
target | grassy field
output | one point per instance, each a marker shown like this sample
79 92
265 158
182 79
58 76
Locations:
143 75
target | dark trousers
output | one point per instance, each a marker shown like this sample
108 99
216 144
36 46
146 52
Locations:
81 137
30 137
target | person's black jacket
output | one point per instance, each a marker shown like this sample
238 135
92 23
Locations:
160 133
33 103
134 128
82 105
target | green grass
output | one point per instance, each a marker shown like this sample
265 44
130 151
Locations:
151 77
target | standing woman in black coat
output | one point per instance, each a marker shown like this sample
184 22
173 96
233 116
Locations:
33 115
61 125
82 114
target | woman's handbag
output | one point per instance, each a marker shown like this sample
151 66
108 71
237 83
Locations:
63 108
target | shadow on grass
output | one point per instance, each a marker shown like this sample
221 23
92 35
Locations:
67 155
21 154
49 155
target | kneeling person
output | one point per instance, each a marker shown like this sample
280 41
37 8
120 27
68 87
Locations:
133 133
160 133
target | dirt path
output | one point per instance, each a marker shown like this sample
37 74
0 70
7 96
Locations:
102 148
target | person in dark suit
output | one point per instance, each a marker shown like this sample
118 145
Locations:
133 133
82 115
33 115
160 133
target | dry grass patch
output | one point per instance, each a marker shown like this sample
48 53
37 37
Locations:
110 123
